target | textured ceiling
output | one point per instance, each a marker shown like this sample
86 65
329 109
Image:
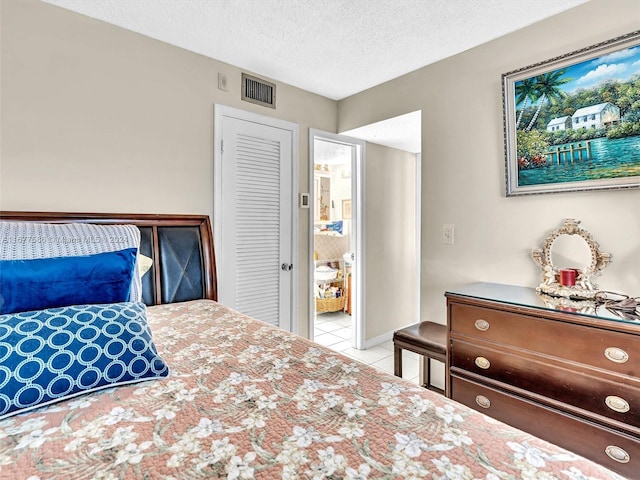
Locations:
334 48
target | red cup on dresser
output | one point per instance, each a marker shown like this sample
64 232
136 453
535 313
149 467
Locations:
568 277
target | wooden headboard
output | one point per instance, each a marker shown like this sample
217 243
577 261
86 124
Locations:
181 247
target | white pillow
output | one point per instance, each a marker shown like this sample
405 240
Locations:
28 240
144 264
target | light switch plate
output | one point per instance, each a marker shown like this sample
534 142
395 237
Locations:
222 82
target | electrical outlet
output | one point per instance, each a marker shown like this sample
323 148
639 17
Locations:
448 234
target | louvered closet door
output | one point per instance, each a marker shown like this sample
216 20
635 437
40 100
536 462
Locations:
257 221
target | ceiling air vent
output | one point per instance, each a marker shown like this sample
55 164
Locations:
258 91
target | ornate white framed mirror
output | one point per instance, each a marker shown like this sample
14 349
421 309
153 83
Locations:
570 260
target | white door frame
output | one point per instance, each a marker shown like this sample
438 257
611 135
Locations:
358 211
221 111
418 236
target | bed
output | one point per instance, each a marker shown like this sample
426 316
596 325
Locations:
224 395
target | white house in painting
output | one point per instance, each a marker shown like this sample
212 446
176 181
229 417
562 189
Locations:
560 123
596 116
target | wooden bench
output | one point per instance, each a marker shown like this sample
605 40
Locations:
428 339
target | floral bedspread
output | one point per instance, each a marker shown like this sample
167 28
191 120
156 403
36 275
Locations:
247 400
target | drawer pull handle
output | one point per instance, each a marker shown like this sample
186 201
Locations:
616 355
483 363
618 454
617 404
483 401
482 325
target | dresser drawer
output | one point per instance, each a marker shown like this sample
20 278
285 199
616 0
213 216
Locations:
613 351
600 399
597 443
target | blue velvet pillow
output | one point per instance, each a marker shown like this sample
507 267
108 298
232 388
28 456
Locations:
41 283
50 355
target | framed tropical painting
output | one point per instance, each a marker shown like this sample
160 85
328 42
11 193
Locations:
572 123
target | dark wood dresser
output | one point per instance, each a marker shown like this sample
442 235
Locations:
569 375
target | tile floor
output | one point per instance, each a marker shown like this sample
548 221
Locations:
333 330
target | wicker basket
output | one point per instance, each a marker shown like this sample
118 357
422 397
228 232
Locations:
324 305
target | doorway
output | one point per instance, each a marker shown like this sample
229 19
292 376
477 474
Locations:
389 270
335 238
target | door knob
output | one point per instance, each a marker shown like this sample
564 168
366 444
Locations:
287 267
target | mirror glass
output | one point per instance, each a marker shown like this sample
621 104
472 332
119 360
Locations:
570 251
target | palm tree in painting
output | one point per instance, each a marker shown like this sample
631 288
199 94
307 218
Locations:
548 88
525 90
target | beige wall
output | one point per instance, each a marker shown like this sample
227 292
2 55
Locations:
390 238
99 119
463 162
96 118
